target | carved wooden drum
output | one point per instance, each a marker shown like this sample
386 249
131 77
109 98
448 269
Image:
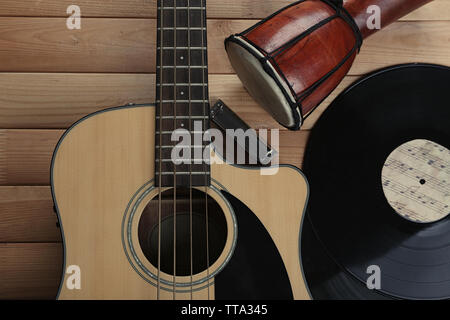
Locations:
291 61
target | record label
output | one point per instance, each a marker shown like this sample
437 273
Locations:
415 181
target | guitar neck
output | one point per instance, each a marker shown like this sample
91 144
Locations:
181 89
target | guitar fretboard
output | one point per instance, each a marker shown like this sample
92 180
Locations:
181 90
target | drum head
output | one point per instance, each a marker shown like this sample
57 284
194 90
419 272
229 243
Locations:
270 92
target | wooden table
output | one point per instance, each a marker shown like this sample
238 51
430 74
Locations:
51 76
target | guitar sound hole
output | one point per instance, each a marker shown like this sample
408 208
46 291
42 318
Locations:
148 230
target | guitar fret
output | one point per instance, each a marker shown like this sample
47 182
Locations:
182 101
183 173
181 89
170 160
182 8
182 48
181 147
182 28
171 132
182 84
183 118
182 67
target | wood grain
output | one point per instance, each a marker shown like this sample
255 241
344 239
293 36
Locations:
102 45
100 164
119 44
390 11
56 100
128 45
93 185
436 10
405 43
292 147
46 100
26 154
222 9
26 215
30 270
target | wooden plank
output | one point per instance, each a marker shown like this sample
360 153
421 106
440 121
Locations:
401 42
37 100
436 10
128 45
292 147
405 42
58 100
26 215
230 89
25 155
30 270
252 9
228 9
102 45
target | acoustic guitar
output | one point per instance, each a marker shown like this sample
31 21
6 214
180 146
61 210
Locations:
136 225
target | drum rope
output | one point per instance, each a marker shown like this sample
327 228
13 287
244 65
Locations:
269 61
300 37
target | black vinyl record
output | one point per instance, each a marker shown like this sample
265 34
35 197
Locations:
325 279
344 159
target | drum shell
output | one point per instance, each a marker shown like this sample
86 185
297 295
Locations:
308 47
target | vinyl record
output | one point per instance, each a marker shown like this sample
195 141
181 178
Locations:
325 279
372 160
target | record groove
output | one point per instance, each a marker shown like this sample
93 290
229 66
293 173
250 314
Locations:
344 160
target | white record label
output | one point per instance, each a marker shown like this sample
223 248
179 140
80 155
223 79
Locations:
416 181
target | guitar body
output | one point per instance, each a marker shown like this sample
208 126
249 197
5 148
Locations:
102 178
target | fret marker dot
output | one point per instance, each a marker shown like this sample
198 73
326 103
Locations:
181 58
182 93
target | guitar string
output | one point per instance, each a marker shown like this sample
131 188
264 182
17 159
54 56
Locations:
160 144
205 124
160 151
190 130
174 165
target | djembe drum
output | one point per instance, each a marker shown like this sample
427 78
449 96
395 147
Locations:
291 61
